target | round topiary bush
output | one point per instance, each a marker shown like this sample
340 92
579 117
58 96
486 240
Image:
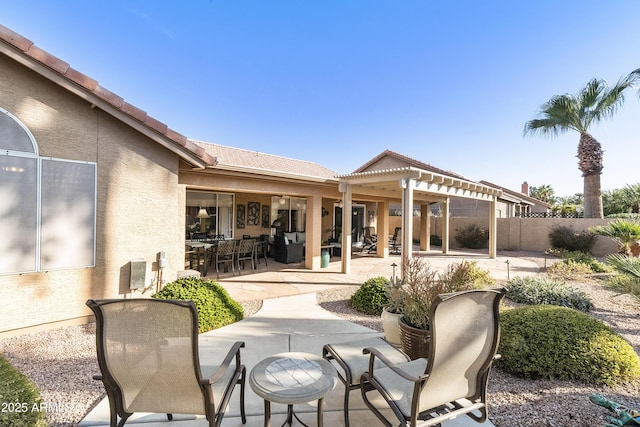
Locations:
371 296
558 342
215 307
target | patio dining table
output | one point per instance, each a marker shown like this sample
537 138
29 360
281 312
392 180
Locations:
204 250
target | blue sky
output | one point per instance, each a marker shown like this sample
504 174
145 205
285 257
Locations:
450 83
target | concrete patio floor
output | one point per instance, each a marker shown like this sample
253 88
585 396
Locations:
291 320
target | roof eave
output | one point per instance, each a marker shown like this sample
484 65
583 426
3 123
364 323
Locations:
173 141
273 173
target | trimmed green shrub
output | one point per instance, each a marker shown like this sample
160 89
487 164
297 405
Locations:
21 398
473 237
435 240
558 342
569 270
563 237
215 307
371 296
538 290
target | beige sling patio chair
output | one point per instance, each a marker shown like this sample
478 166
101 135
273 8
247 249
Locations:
148 356
351 363
452 381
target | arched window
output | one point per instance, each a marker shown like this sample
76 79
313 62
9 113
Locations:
47 205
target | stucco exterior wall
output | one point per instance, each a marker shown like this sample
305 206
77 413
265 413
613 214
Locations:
138 196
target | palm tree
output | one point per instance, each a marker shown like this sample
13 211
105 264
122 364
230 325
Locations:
632 194
544 192
562 113
625 233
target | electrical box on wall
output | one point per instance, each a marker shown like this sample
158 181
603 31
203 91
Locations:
138 273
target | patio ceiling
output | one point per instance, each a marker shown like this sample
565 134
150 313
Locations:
428 186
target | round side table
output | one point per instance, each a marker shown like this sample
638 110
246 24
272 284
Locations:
291 378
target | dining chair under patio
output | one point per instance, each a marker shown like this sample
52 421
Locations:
245 251
149 361
224 255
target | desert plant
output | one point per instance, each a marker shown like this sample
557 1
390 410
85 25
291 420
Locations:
558 342
625 284
422 285
20 399
473 237
586 259
465 275
395 296
569 270
623 232
563 237
420 289
537 290
629 266
214 305
628 281
371 296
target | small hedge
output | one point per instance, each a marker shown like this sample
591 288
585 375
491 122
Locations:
537 290
371 296
563 237
559 342
215 307
473 237
20 399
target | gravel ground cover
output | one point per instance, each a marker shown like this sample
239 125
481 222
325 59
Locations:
61 362
516 402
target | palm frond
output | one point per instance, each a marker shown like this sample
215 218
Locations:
556 117
624 264
613 98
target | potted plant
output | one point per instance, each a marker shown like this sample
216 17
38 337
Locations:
392 311
421 286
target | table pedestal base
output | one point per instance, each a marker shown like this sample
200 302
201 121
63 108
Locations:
290 415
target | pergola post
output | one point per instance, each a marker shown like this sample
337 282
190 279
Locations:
347 215
425 227
382 246
313 226
407 186
445 226
493 228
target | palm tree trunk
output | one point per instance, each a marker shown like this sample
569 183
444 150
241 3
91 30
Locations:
592 197
590 163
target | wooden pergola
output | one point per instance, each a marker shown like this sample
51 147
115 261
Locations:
411 185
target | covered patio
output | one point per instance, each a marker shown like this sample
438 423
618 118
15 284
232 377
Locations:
412 186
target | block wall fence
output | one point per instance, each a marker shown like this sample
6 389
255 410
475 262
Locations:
516 234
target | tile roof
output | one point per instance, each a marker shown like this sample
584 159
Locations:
235 158
26 48
523 196
409 162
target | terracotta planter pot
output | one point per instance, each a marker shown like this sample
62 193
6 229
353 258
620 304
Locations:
415 342
391 326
